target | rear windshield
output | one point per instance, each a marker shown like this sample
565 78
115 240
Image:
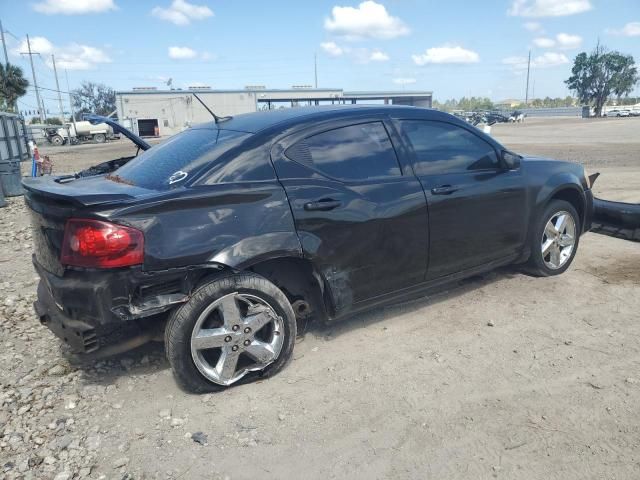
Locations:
181 157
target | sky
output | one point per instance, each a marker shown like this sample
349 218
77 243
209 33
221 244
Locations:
454 48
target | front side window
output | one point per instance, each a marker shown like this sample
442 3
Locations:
445 148
354 153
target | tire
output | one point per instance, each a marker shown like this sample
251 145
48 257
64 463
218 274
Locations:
194 369
57 140
543 265
100 138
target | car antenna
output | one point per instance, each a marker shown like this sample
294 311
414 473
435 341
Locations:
216 118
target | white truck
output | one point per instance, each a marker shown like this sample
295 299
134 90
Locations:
77 132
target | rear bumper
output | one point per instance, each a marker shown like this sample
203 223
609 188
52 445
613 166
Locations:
80 336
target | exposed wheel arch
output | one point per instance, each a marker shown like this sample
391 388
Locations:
299 280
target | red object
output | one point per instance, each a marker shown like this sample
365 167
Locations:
98 244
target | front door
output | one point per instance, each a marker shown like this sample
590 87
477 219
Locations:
476 207
361 215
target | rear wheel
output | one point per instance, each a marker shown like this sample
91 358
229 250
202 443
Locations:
233 330
100 137
554 240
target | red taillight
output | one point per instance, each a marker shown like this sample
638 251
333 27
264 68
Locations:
97 244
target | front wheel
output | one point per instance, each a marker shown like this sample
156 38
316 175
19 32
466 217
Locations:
57 140
554 240
233 329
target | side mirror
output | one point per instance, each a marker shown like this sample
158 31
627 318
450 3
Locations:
511 161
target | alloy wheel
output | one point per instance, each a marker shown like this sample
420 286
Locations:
237 334
558 240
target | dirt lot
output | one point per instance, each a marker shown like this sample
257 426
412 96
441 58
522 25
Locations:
425 389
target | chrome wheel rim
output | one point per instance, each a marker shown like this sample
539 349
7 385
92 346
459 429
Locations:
558 240
236 334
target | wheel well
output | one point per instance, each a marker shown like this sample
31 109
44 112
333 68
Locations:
573 197
299 281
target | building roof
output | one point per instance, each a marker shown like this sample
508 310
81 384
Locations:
264 92
211 90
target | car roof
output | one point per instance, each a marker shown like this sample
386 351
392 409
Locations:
287 117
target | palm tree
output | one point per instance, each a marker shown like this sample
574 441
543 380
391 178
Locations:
13 85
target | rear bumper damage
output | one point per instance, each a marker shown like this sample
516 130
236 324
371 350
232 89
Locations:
616 219
83 308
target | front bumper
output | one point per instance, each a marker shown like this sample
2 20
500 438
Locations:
617 219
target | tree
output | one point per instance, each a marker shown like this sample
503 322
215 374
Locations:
93 98
13 85
595 77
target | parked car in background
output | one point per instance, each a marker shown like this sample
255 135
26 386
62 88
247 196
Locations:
618 113
226 236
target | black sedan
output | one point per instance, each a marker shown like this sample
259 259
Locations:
225 237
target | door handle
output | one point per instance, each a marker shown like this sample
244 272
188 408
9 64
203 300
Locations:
444 190
322 205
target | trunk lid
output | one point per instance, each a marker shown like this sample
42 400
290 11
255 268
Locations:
52 201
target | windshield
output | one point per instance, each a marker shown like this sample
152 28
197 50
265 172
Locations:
181 157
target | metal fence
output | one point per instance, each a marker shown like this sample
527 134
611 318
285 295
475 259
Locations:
548 112
13 150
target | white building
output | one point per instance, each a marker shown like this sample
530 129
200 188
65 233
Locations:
152 112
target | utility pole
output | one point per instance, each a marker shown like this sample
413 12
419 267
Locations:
4 44
73 114
315 67
55 72
526 95
64 124
35 82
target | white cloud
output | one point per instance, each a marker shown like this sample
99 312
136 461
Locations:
404 81
332 48
543 42
568 42
182 53
187 53
378 56
550 59
631 29
182 13
446 54
533 27
563 41
548 8
546 60
73 56
74 7
368 20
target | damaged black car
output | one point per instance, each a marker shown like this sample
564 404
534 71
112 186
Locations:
227 237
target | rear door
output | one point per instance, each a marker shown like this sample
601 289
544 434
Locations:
360 214
476 207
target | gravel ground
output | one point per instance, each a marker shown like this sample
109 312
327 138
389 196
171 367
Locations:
499 376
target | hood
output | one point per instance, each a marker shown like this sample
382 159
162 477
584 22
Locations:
117 128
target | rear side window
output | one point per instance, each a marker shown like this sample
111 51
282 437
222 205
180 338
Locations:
445 148
354 153
178 159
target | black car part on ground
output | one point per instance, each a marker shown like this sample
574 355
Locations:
616 219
